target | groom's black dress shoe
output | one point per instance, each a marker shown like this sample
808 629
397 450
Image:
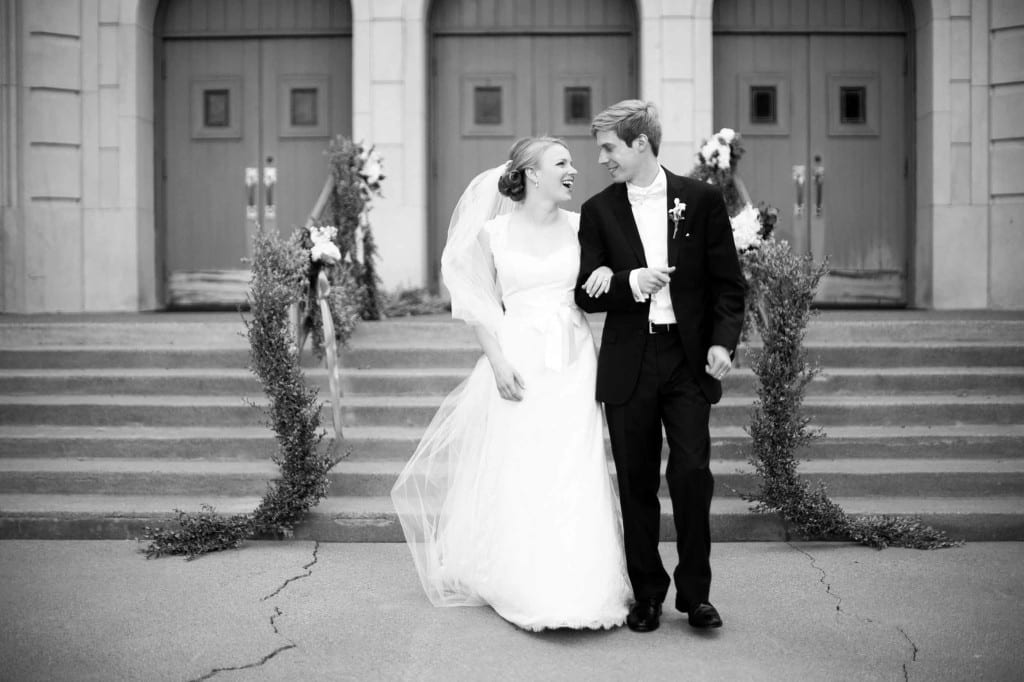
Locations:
643 615
703 616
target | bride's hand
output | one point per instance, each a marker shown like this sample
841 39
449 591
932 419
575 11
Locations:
510 384
599 282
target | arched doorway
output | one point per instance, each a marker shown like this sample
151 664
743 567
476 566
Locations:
249 94
822 95
503 69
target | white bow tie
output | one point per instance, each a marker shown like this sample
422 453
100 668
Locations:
638 195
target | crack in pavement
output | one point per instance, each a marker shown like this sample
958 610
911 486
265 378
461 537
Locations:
309 571
256 664
308 568
913 653
277 612
839 600
828 585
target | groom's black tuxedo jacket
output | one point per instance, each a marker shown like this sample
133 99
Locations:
707 286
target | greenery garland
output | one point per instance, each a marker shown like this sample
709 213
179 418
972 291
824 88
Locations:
285 274
781 288
356 174
279 273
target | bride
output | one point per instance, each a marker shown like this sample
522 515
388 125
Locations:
507 500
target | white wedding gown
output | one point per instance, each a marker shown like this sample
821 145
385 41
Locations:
510 503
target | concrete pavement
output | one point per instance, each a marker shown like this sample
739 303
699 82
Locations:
97 610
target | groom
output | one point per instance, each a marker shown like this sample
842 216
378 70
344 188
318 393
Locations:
675 307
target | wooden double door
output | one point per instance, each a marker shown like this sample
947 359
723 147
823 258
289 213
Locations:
489 90
823 113
246 124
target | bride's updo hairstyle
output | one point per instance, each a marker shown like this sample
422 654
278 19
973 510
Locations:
525 153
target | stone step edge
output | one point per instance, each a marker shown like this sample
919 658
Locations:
373 519
391 468
447 372
176 433
413 401
467 344
368 507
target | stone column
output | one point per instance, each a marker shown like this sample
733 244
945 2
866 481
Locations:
390 99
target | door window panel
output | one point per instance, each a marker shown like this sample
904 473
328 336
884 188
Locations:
763 100
303 106
763 104
577 105
853 104
572 103
487 105
216 110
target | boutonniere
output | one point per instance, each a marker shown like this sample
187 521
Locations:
676 213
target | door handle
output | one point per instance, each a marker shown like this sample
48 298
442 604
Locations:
819 186
252 179
269 180
799 179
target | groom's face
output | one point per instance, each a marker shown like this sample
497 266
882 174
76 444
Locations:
622 161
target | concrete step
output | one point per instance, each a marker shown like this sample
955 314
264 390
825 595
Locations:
227 328
372 519
440 381
845 478
826 411
370 443
451 354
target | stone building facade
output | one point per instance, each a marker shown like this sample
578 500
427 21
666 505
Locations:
84 125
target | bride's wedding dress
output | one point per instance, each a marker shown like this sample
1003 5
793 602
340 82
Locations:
510 503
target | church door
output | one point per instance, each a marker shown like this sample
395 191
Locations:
252 94
820 95
508 69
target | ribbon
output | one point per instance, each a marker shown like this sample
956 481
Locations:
556 324
323 288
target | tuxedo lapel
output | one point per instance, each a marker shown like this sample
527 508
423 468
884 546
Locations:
624 217
673 191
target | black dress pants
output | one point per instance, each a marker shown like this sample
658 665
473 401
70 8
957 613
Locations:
666 394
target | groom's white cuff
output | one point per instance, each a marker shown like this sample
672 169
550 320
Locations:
634 284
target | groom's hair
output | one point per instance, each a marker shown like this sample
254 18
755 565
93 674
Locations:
629 119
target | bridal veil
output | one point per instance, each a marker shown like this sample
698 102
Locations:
450 448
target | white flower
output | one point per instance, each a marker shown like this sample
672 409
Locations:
325 234
371 167
707 152
724 156
727 135
326 252
746 228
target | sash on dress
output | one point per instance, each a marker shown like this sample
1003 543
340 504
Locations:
556 320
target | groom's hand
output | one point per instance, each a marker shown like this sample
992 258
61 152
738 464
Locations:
719 362
650 280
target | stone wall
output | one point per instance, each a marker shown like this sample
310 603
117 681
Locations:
77 170
1006 214
78 214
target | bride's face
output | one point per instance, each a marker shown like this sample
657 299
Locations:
554 174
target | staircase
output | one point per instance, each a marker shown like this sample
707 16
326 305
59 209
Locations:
108 423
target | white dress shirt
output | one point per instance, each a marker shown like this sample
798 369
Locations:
648 205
